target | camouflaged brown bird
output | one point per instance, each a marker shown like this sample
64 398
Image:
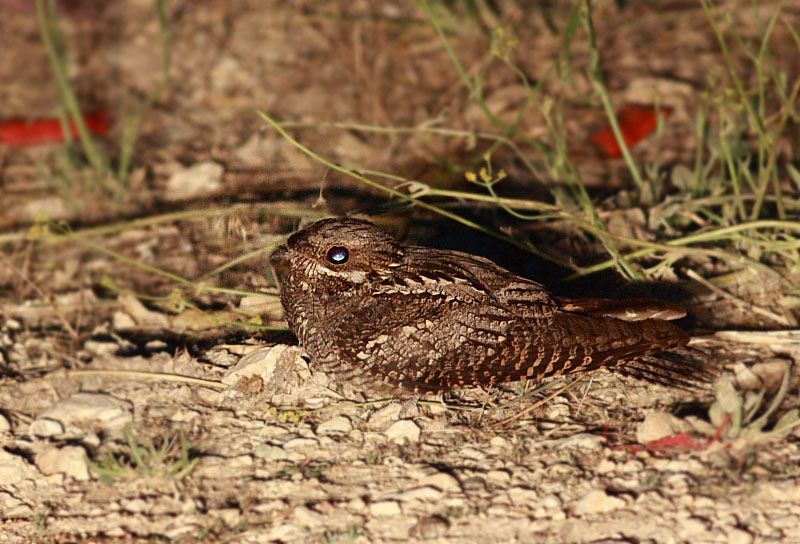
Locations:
370 310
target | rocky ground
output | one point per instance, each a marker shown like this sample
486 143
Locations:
149 390
279 456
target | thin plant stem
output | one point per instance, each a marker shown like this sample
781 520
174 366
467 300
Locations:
46 20
471 85
399 194
131 130
160 376
596 77
45 235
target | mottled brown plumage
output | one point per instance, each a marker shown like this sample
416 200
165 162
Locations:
370 310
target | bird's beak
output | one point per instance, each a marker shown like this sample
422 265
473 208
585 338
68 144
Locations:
278 257
277 261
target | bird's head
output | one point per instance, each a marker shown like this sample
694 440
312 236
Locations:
336 252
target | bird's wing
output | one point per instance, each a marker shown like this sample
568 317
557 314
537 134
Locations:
446 342
637 309
461 274
466 321
564 343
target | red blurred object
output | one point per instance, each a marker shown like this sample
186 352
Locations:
682 440
20 132
636 121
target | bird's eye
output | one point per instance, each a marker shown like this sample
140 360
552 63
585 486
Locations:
338 255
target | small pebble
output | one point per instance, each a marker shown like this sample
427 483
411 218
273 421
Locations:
384 508
597 501
384 416
336 425
738 536
69 460
403 431
5 425
44 428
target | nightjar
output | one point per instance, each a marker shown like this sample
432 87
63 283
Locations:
370 311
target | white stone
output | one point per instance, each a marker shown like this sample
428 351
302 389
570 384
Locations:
284 533
69 460
677 465
255 304
135 506
356 504
691 527
605 466
785 522
52 479
5 425
403 430
307 517
498 477
13 325
297 443
156 345
44 428
499 442
597 501
523 496
779 491
139 313
425 493
221 468
549 507
335 425
632 465
269 506
272 453
262 363
14 469
442 480
89 409
654 89
48 209
198 180
91 440
12 507
658 425
557 412
550 501
229 516
703 502
586 441
738 536
384 508
100 349
122 321
382 417
472 454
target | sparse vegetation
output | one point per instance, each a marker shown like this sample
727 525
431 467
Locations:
47 18
457 123
142 457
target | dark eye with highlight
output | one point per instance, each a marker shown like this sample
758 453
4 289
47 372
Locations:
338 255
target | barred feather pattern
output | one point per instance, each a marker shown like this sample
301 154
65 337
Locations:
429 320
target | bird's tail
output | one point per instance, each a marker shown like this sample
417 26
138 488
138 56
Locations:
650 349
684 367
